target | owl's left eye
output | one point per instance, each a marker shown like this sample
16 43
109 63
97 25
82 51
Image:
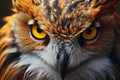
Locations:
35 30
91 34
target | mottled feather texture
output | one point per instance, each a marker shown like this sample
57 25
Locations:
64 54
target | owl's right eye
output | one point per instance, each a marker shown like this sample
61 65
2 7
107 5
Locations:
38 33
35 30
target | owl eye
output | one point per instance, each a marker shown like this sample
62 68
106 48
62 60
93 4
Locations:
91 34
38 33
35 30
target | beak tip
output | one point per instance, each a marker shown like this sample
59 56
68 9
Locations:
62 73
63 64
63 59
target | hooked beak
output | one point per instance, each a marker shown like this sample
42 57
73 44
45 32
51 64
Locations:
63 61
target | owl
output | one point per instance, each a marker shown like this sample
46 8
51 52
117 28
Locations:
61 40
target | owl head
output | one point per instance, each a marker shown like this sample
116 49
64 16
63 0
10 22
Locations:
64 34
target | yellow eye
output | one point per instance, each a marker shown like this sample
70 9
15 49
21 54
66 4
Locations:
38 33
90 33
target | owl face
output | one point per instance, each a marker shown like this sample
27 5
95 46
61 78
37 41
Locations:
63 35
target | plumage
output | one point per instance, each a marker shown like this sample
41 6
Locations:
61 40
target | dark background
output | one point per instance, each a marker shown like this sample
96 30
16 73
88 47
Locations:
5 7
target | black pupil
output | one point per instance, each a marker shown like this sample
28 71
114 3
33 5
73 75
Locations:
39 30
89 31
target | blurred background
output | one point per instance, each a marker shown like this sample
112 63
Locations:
5 7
